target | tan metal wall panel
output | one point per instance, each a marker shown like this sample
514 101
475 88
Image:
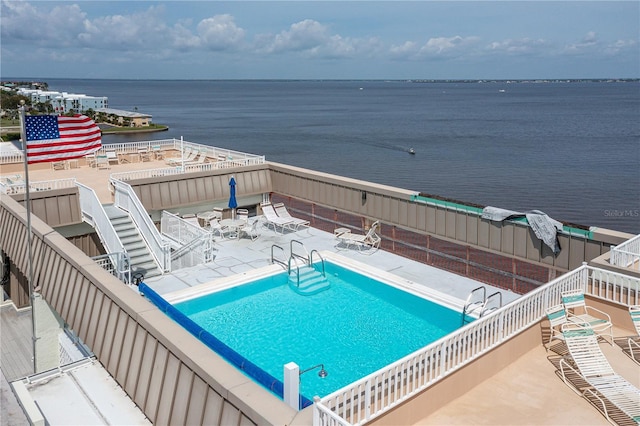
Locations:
230 414
124 361
472 230
199 391
76 281
101 326
430 213
507 240
520 241
213 409
576 253
461 227
109 336
168 394
184 387
135 363
120 327
483 233
85 328
441 221
450 224
146 369
533 246
495 236
155 384
592 250
562 259
94 336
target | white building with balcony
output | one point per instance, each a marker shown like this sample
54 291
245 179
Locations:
63 102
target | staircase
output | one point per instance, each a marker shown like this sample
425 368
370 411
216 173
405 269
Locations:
306 281
142 262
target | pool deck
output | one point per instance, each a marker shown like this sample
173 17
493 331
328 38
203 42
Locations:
236 256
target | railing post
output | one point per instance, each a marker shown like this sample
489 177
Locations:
292 385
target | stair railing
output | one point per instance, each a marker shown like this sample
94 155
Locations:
93 213
471 305
275 259
126 199
321 260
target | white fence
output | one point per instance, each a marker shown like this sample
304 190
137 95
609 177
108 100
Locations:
14 184
196 243
126 199
385 389
627 253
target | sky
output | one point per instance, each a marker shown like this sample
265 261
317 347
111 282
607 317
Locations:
508 39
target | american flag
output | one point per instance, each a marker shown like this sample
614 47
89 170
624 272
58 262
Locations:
56 138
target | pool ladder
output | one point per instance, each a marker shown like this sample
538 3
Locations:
305 260
481 305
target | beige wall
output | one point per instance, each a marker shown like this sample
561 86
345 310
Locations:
394 206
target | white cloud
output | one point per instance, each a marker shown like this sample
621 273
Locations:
518 46
220 32
449 46
304 35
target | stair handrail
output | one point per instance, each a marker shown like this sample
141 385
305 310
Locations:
485 308
304 258
297 269
278 261
94 214
206 253
478 304
321 259
126 199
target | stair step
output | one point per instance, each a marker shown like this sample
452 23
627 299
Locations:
311 282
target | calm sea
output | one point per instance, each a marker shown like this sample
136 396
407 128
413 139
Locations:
571 150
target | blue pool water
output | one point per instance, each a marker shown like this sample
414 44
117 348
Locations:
354 328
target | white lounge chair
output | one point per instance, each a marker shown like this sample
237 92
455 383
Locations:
199 158
631 344
370 240
282 212
102 162
274 220
588 361
189 155
112 157
557 317
578 311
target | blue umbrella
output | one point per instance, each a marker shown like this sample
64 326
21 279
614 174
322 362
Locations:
232 196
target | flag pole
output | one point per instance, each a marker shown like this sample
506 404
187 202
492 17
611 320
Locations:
27 202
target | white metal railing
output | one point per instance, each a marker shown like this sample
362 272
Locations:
126 199
385 389
118 264
14 184
224 158
93 213
197 244
11 157
626 254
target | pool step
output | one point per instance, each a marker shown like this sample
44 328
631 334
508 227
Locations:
311 281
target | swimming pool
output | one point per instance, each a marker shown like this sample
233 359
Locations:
355 327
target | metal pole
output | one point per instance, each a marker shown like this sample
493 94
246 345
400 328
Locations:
27 202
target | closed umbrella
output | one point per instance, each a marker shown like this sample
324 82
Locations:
232 197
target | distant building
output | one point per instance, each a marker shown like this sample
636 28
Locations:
134 119
63 102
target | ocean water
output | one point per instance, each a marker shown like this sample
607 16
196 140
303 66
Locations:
571 150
